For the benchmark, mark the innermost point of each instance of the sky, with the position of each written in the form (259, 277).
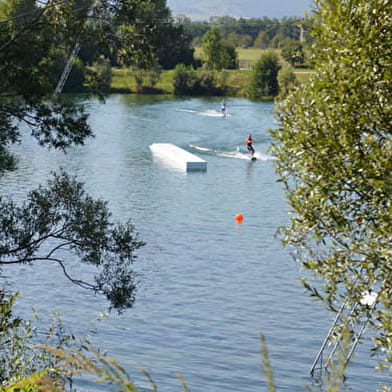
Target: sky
(204, 9)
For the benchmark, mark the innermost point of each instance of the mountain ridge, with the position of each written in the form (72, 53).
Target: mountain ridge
(204, 9)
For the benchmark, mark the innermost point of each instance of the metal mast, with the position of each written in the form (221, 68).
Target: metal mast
(66, 71)
(68, 66)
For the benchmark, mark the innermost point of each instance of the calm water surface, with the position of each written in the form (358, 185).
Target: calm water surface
(207, 285)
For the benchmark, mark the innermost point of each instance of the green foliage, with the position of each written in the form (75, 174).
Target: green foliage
(229, 56)
(32, 54)
(334, 150)
(154, 76)
(293, 53)
(38, 381)
(24, 46)
(212, 48)
(246, 31)
(138, 75)
(7, 321)
(145, 80)
(99, 77)
(186, 81)
(218, 53)
(261, 40)
(19, 357)
(37, 40)
(148, 37)
(57, 125)
(264, 81)
(174, 47)
(239, 40)
(62, 216)
(76, 79)
(138, 29)
(286, 80)
(227, 82)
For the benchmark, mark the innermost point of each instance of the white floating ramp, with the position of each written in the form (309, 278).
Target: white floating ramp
(179, 157)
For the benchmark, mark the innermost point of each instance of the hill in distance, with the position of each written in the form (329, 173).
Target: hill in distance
(204, 9)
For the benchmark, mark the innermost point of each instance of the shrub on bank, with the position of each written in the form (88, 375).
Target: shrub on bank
(187, 81)
(264, 81)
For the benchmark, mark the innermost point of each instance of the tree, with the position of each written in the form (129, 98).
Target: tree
(61, 215)
(293, 53)
(261, 40)
(264, 79)
(146, 21)
(239, 40)
(218, 53)
(212, 49)
(229, 56)
(334, 150)
(174, 47)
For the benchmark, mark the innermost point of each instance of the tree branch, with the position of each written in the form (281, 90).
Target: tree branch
(78, 282)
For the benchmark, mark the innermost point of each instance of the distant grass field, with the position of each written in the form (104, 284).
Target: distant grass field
(247, 56)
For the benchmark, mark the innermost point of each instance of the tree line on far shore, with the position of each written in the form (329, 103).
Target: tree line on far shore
(245, 33)
(146, 40)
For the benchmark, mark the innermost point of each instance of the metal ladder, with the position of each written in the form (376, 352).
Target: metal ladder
(350, 317)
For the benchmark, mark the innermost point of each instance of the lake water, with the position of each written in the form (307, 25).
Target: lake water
(207, 285)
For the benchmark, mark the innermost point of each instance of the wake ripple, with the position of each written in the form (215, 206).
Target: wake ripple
(237, 154)
(208, 113)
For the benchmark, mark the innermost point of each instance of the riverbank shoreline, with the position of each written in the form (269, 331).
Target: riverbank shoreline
(235, 82)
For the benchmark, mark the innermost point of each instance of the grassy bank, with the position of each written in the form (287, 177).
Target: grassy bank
(124, 82)
(247, 57)
(236, 80)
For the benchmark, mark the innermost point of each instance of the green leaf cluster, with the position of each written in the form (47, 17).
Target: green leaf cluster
(334, 149)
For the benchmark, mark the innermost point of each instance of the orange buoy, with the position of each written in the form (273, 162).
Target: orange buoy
(239, 218)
